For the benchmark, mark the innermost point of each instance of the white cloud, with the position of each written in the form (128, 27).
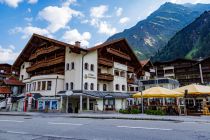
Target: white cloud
(119, 11)
(57, 17)
(124, 20)
(71, 36)
(98, 11)
(97, 15)
(11, 3)
(8, 54)
(32, 1)
(29, 30)
(106, 28)
(67, 3)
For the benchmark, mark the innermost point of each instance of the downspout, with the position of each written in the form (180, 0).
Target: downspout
(82, 70)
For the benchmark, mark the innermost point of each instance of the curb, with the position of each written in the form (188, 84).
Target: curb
(125, 118)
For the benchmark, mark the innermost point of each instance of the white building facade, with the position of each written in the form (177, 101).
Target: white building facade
(67, 78)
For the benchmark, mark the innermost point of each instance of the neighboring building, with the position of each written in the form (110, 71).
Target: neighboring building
(185, 71)
(161, 82)
(148, 71)
(5, 71)
(64, 77)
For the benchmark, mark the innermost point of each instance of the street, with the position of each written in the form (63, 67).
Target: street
(53, 128)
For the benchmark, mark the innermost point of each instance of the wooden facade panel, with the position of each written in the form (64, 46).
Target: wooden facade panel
(105, 62)
(118, 53)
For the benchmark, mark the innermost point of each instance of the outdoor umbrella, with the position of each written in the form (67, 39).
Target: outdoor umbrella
(194, 89)
(158, 92)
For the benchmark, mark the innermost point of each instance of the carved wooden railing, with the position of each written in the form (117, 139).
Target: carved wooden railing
(46, 63)
(130, 69)
(105, 76)
(130, 80)
(43, 51)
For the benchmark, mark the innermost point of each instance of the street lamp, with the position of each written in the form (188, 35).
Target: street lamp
(140, 90)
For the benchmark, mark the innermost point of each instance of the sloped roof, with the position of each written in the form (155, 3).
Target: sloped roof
(5, 90)
(13, 82)
(105, 44)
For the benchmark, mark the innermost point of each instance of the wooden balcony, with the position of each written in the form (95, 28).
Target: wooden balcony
(105, 62)
(105, 77)
(46, 63)
(43, 51)
(130, 69)
(130, 80)
(118, 53)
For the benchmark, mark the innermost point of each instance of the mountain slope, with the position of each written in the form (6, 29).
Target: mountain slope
(191, 42)
(152, 34)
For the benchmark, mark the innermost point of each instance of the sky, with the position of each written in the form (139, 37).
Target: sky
(89, 21)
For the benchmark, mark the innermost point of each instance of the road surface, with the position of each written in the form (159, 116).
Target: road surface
(62, 128)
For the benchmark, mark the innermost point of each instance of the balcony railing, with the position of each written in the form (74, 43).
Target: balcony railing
(105, 76)
(130, 69)
(105, 62)
(43, 51)
(46, 63)
(130, 80)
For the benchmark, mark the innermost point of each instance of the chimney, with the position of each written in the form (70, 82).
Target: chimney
(77, 43)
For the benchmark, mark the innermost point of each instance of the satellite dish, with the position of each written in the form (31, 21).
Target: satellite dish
(69, 93)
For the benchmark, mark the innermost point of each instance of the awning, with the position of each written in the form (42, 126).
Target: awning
(5, 90)
(158, 92)
(96, 94)
(194, 89)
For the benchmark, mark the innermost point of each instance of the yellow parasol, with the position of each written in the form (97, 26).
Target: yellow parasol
(194, 89)
(158, 92)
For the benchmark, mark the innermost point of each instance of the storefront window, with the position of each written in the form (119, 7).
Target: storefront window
(41, 107)
(54, 105)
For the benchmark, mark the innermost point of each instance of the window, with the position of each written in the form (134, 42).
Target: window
(21, 77)
(86, 66)
(67, 66)
(23, 66)
(49, 85)
(39, 86)
(72, 65)
(123, 87)
(86, 86)
(122, 74)
(116, 73)
(91, 86)
(72, 85)
(92, 67)
(43, 85)
(137, 88)
(117, 87)
(104, 87)
(67, 86)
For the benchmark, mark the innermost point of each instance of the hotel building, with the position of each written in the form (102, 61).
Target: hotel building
(68, 78)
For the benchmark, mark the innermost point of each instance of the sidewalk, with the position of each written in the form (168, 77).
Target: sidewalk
(204, 119)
